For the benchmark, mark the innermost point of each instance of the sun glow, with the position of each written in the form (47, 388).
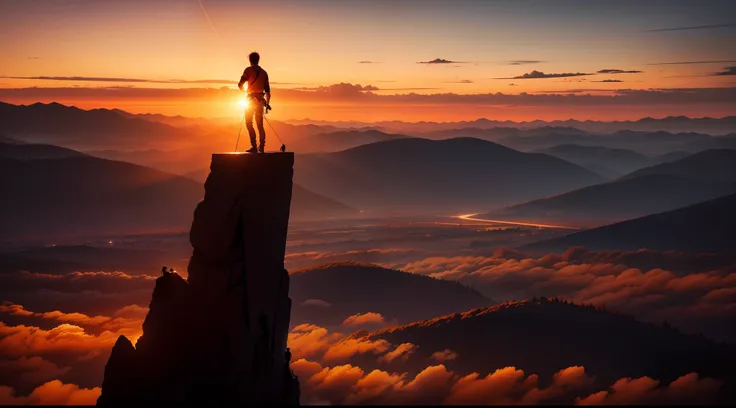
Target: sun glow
(243, 102)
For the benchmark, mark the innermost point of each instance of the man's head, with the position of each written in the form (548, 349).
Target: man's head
(254, 58)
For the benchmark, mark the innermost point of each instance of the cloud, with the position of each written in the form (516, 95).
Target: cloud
(340, 89)
(461, 81)
(609, 80)
(298, 260)
(524, 62)
(15, 310)
(34, 58)
(75, 281)
(539, 75)
(368, 62)
(52, 393)
(435, 384)
(312, 341)
(693, 62)
(349, 347)
(78, 337)
(25, 373)
(374, 386)
(512, 84)
(363, 319)
(685, 28)
(316, 302)
(440, 61)
(129, 319)
(510, 385)
(408, 89)
(444, 355)
(308, 340)
(340, 93)
(697, 301)
(727, 71)
(19, 341)
(123, 80)
(618, 71)
(402, 353)
(688, 389)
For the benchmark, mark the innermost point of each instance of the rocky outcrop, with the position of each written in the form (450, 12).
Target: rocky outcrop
(220, 336)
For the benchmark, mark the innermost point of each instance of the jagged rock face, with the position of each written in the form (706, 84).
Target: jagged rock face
(220, 337)
(120, 375)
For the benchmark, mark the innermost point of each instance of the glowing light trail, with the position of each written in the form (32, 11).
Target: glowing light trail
(471, 217)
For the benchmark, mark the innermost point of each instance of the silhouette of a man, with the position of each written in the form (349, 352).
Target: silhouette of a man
(259, 95)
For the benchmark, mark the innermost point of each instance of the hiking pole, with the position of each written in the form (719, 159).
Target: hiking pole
(241, 129)
(283, 146)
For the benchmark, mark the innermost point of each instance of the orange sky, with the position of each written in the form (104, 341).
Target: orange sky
(92, 48)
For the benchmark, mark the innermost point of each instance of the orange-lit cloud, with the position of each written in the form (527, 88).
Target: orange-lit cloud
(374, 255)
(688, 389)
(349, 347)
(655, 294)
(52, 393)
(444, 355)
(78, 335)
(369, 318)
(345, 101)
(401, 353)
(539, 75)
(350, 384)
(19, 341)
(127, 320)
(29, 372)
(308, 340)
(77, 281)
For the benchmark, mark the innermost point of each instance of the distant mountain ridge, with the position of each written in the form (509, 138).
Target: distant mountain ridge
(49, 191)
(714, 126)
(697, 178)
(717, 165)
(704, 227)
(327, 294)
(76, 128)
(608, 162)
(453, 173)
(545, 335)
(24, 151)
(340, 140)
(650, 143)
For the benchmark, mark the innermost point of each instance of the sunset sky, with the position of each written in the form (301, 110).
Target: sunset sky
(451, 58)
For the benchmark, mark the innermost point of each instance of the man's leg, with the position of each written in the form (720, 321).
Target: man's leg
(261, 130)
(249, 123)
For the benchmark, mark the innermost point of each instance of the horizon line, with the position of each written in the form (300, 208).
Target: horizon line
(381, 121)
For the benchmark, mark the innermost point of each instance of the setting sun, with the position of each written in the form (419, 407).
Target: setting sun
(243, 102)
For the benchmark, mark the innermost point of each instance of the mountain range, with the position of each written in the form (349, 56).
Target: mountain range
(327, 294)
(714, 126)
(63, 193)
(542, 336)
(422, 174)
(339, 140)
(80, 129)
(704, 227)
(667, 186)
(649, 143)
(608, 162)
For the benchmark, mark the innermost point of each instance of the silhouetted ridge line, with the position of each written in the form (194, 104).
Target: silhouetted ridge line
(708, 226)
(544, 335)
(436, 175)
(327, 294)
